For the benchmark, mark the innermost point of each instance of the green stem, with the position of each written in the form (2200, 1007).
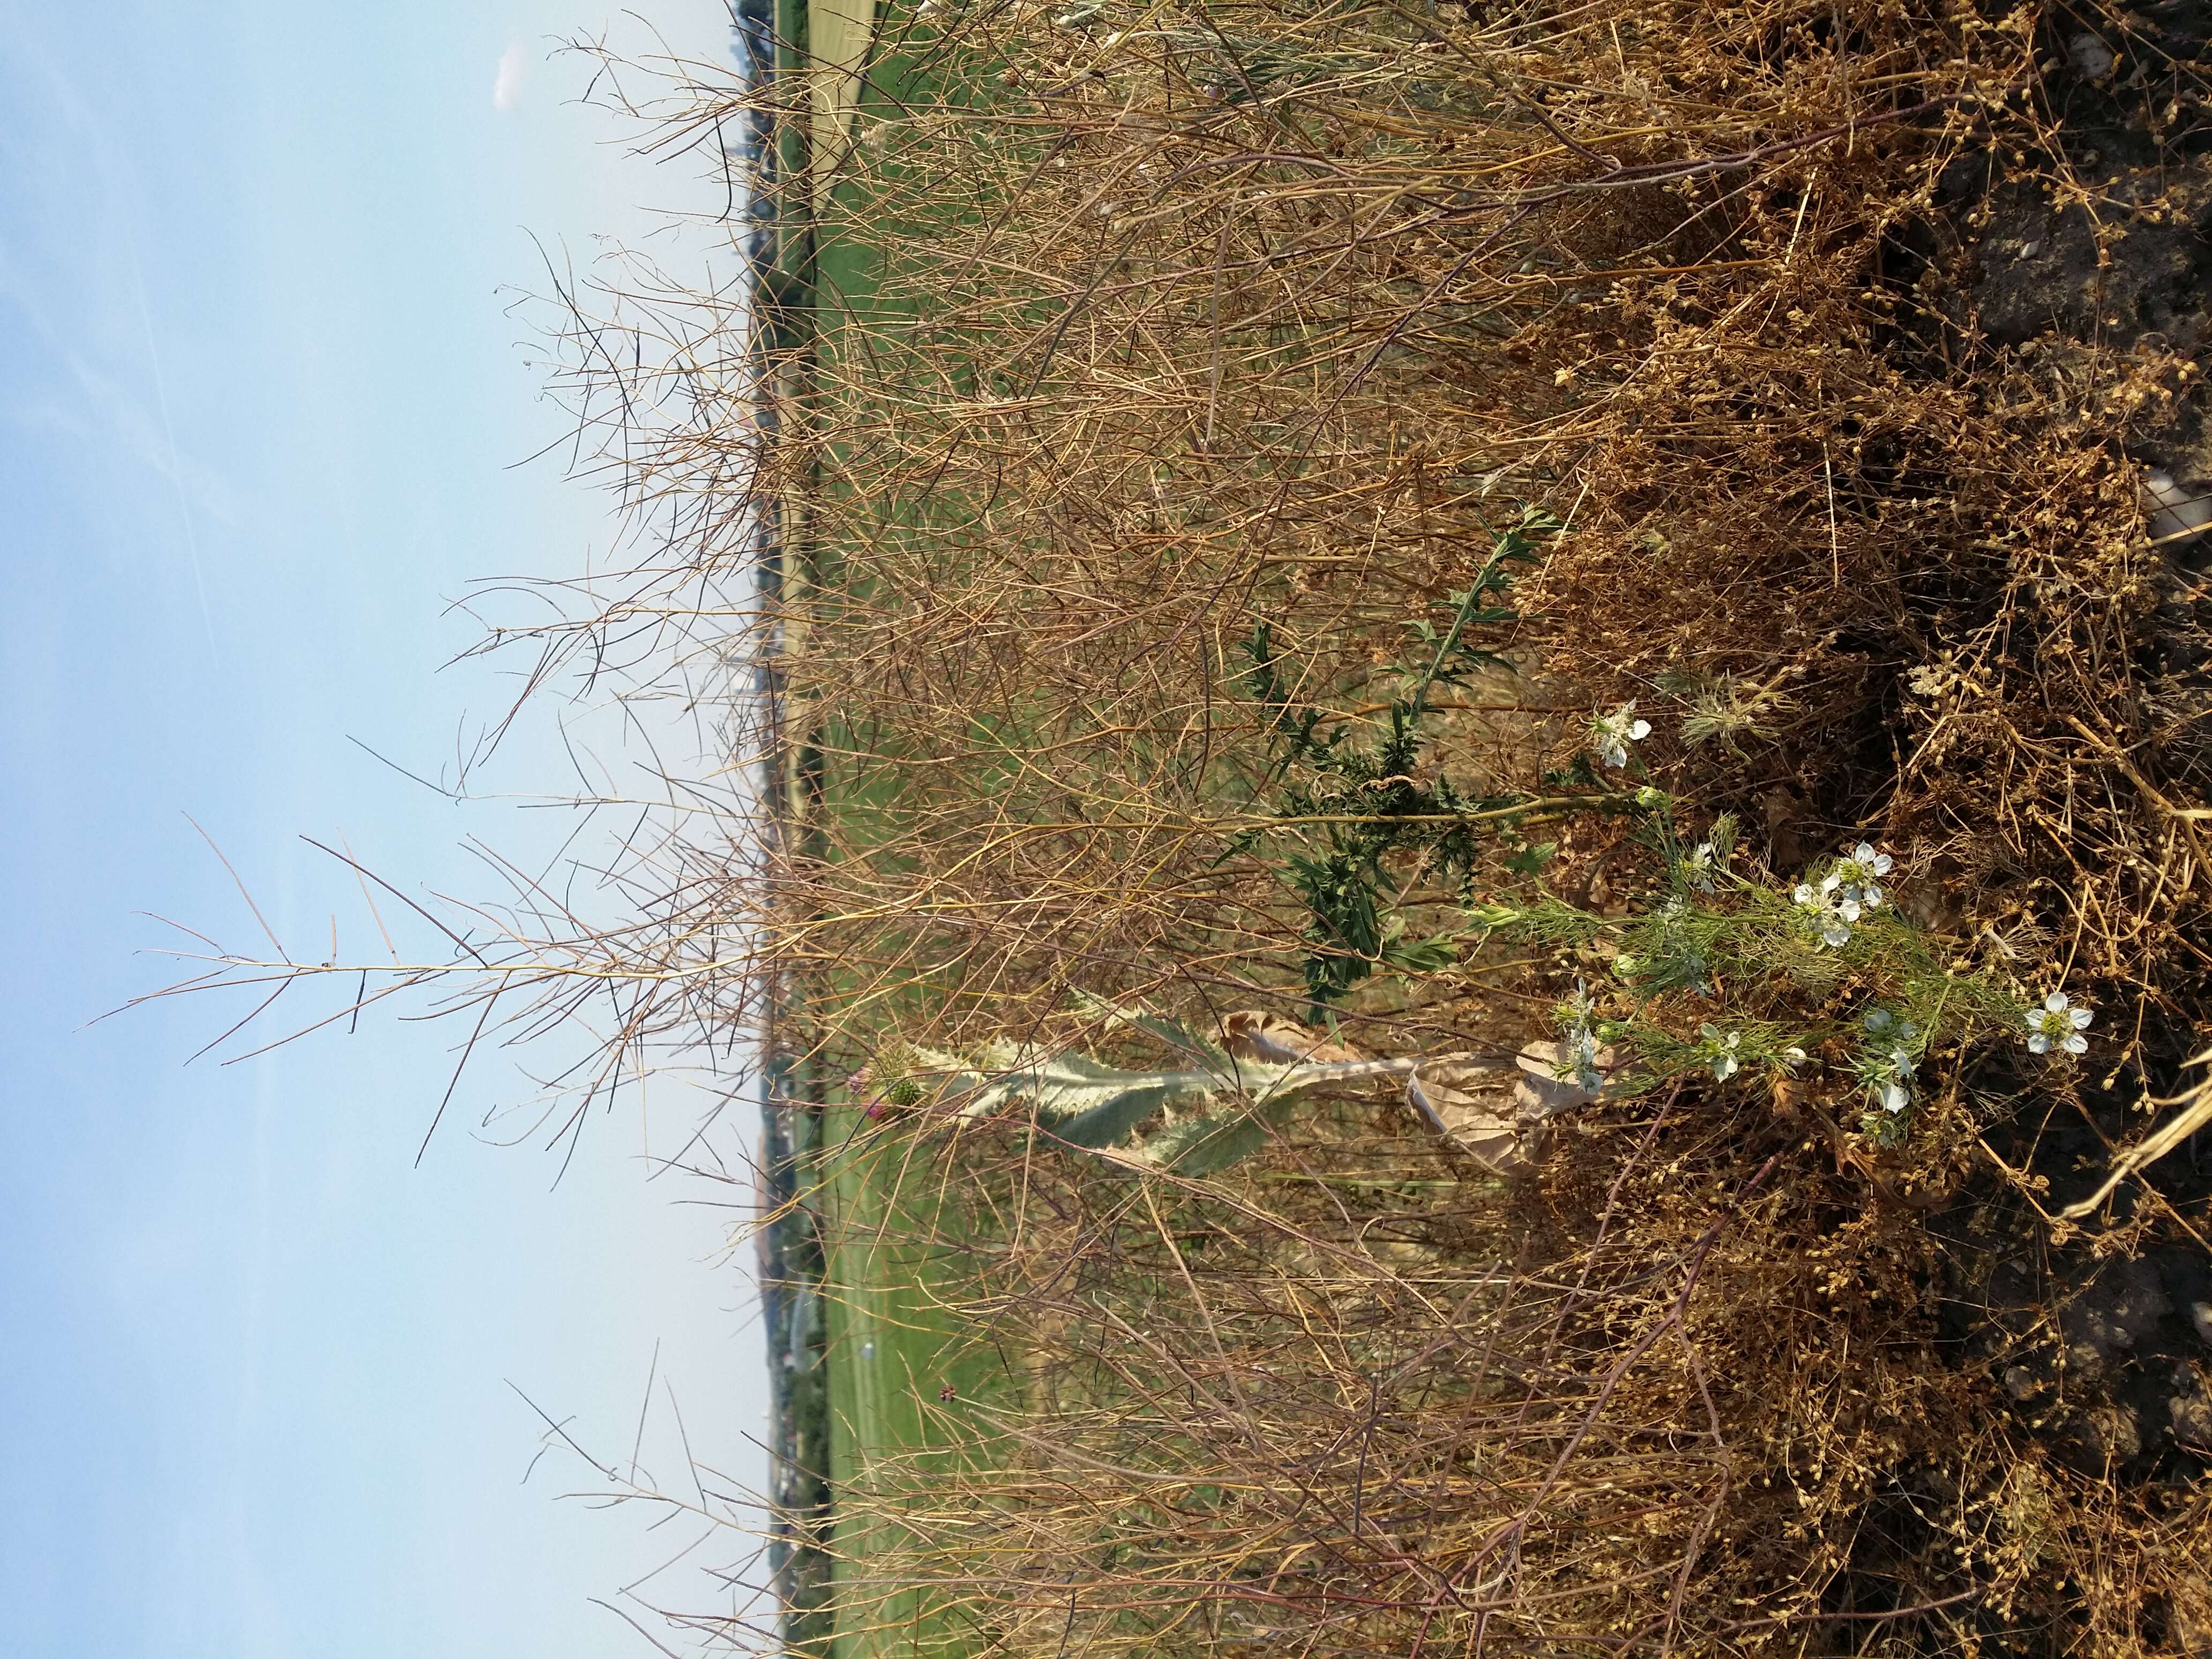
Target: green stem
(1475, 594)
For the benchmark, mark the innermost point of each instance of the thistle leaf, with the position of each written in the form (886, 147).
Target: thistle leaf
(1168, 1031)
(1200, 1145)
(1109, 1121)
(1085, 1103)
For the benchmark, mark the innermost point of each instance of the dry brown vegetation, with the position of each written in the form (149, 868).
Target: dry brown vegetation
(1193, 318)
(1842, 334)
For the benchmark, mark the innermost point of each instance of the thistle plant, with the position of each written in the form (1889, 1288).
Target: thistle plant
(1210, 1109)
(1371, 797)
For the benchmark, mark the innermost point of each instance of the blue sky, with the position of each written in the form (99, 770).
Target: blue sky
(260, 398)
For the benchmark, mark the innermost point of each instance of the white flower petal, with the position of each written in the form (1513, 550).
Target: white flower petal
(2080, 1016)
(2055, 1001)
(2077, 1044)
(2038, 1044)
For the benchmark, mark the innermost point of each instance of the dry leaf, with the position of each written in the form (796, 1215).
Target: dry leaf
(1541, 1093)
(1251, 1034)
(1499, 1115)
(1474, 1106)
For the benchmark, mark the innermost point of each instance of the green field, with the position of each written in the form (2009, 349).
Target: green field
(903, 1382)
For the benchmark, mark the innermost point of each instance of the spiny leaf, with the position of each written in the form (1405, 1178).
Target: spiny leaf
(1086, 1104)
(1110, 1121)
(1168, 1031)
(1200, 1145)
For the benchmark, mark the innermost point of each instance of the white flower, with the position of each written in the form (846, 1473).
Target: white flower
(1793, 1057)
(1721, 1049)
(1855, 879)
(2055, 1022)
(1844, 903)
(1889, 1077)
(1881, 1023)
(1579, 1058)
(1611, 734)
(1699, 866)
(1824, 915)
(1887, 1064)
(1582, 1054)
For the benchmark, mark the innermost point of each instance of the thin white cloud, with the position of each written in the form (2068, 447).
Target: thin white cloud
(507, 85)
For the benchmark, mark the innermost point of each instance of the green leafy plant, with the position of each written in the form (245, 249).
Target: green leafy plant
(1365, 804)
(1723, 972)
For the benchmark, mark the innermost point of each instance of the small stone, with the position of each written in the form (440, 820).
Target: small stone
(2091, 56)
(2175, 511)
(2190, 1413)
(2110, 1434)
(2113, 1313)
